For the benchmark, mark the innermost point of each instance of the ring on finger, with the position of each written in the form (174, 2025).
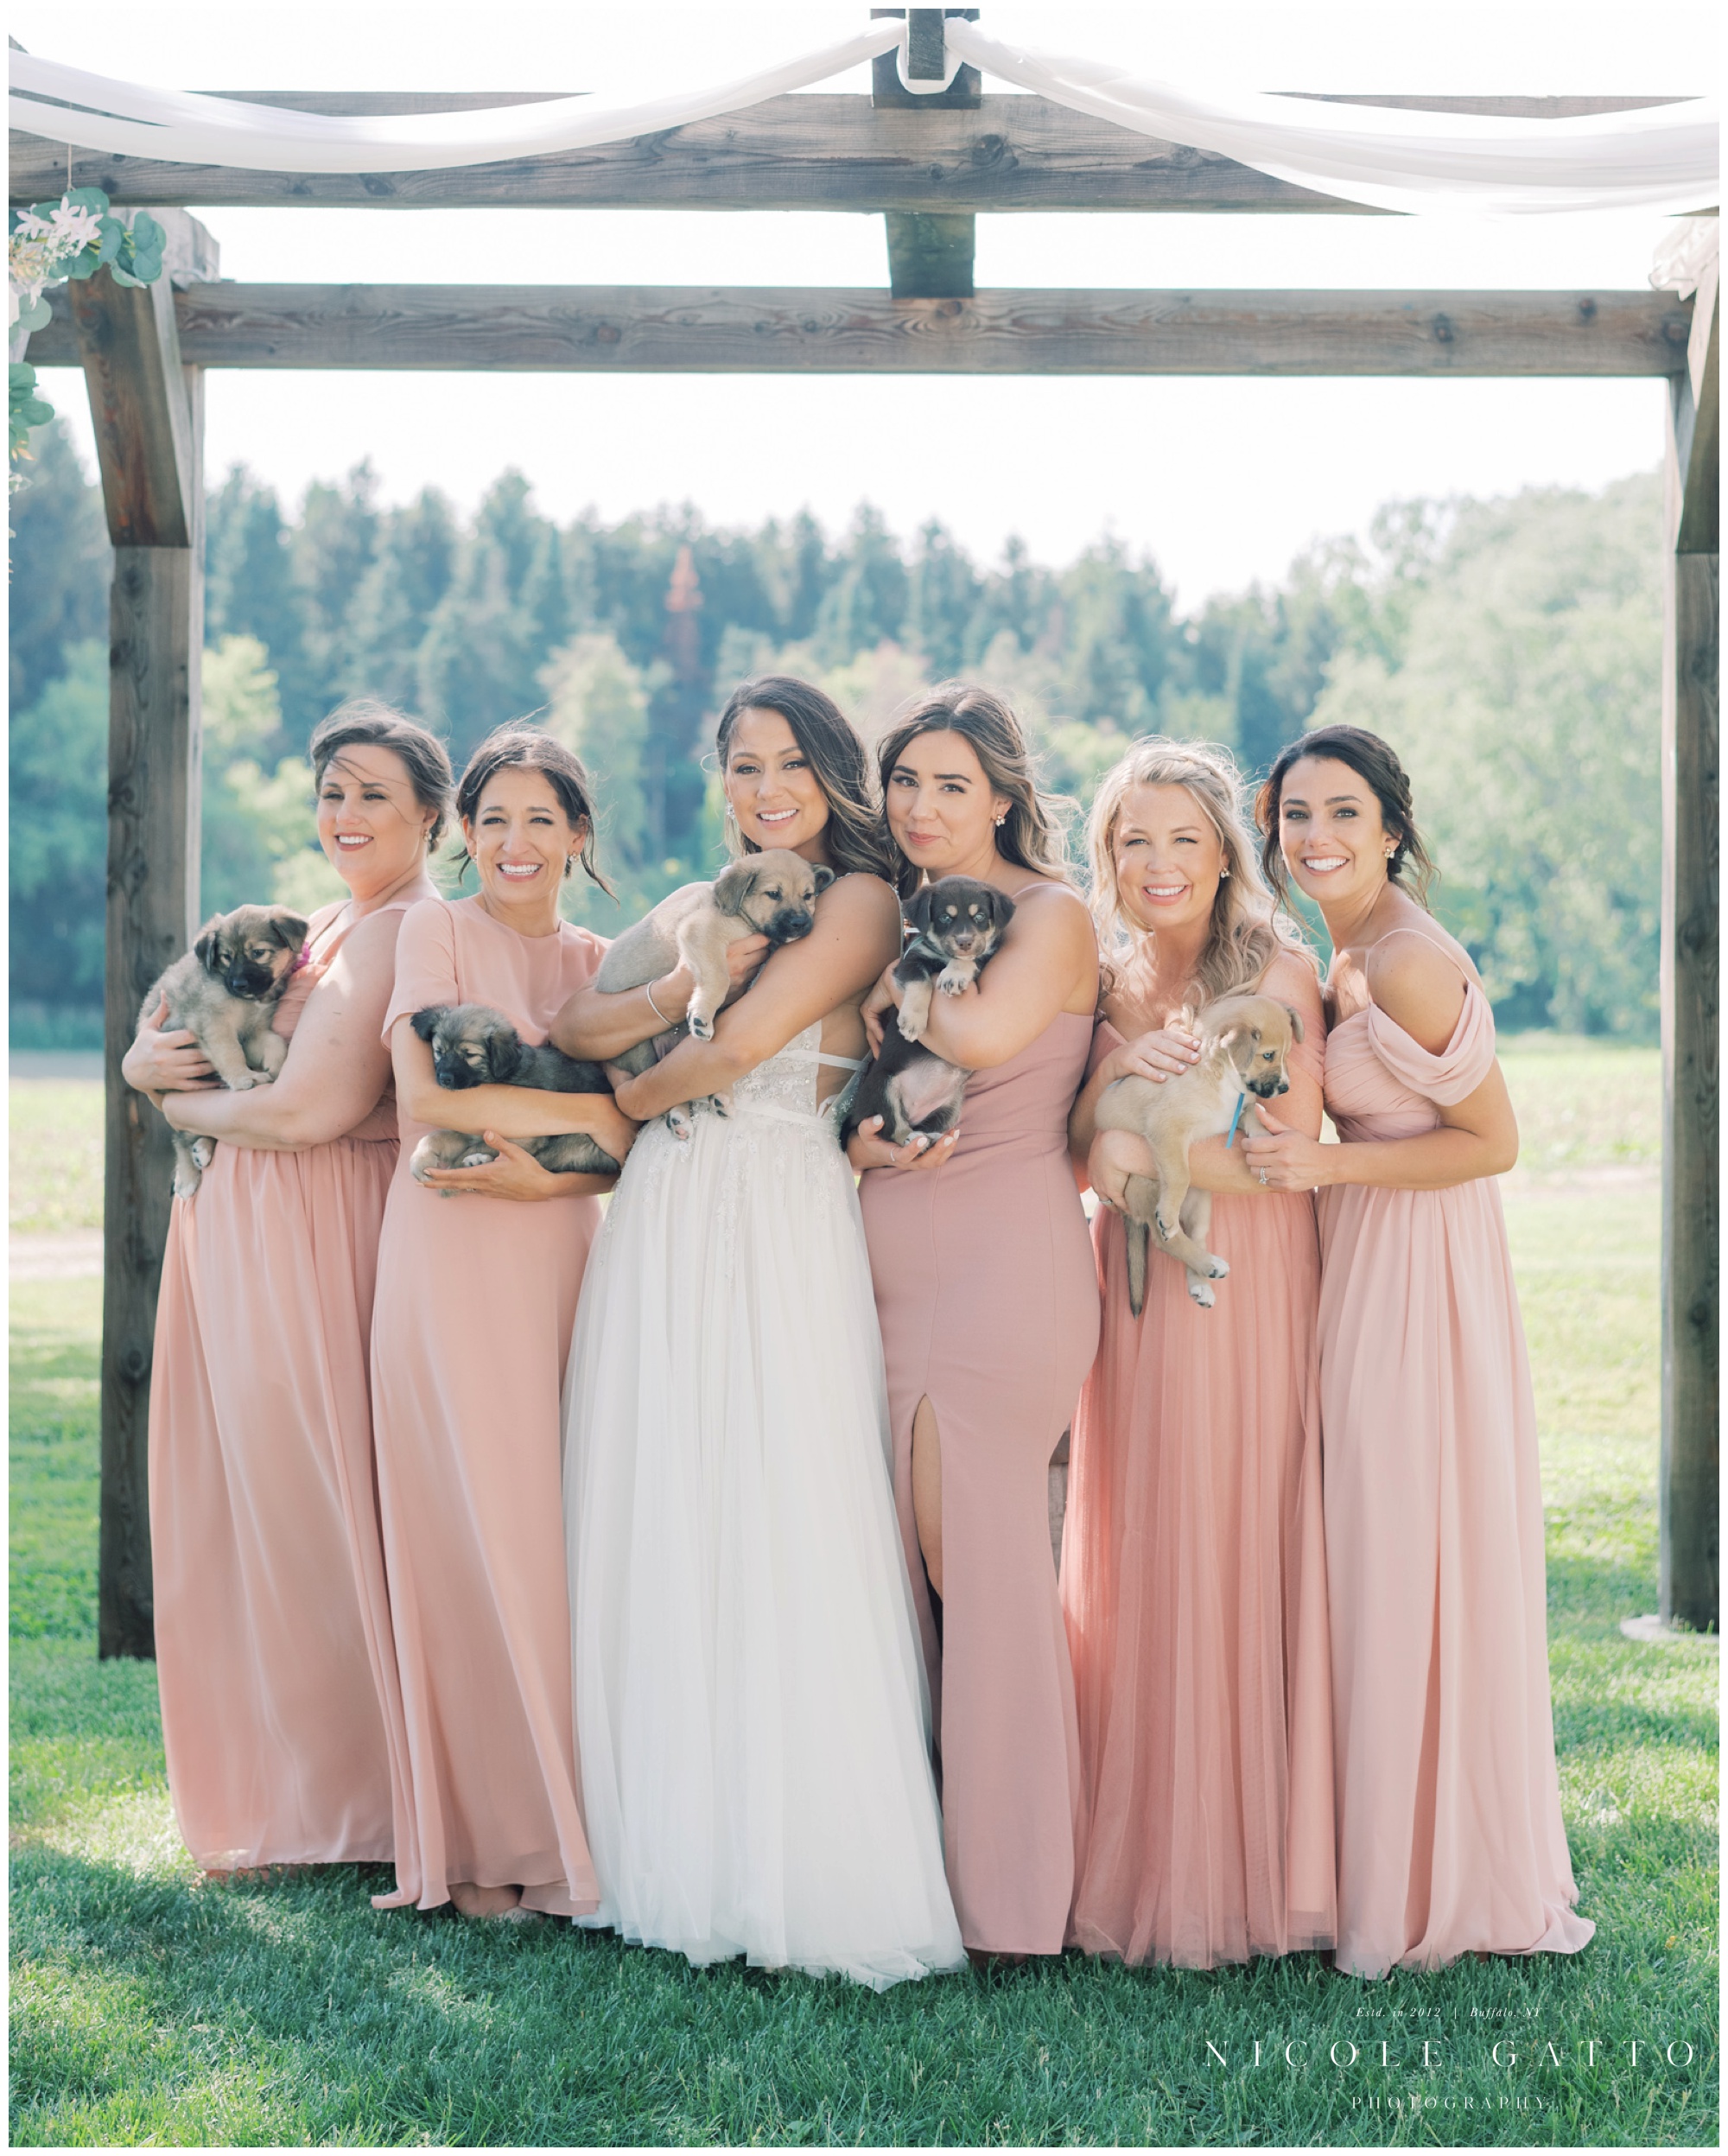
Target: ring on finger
(1262, 1177)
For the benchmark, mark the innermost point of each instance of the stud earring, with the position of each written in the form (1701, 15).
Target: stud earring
(731, 813)
(1001, 819)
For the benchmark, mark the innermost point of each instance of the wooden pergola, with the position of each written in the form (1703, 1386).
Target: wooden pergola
(930, 164)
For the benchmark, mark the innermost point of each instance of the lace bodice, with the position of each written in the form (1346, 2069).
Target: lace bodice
(786, 1083)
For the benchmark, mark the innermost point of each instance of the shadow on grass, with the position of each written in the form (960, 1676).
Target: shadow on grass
(159, 2006)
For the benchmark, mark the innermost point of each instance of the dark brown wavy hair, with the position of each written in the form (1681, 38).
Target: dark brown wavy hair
(514, 747)
(366, 722)
(856, 838)
(1411, 866)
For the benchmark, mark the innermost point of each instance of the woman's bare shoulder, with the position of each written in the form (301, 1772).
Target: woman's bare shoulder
(859, 898)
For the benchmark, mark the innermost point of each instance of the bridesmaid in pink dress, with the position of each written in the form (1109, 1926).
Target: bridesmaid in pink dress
(1450, 1836)
(988, 1307)
(273, 1650)
(1194, 1572)
(476, 1301)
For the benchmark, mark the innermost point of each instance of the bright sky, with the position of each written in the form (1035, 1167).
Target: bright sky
(1221, 481)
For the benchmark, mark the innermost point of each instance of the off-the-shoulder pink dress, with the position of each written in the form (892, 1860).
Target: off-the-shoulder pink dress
(272, 1627)
(1194, 1581)
(1449, 1836)
(476, 1301)
(988, 1305)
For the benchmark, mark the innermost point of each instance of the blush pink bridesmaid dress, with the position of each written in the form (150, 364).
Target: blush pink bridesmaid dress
(273, 1652)
(988, 1305)
(1194, 1581)
(476, 1303)
(1449, 1836)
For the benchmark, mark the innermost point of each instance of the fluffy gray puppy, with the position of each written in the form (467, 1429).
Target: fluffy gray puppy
(224, 992)
(474, 1045)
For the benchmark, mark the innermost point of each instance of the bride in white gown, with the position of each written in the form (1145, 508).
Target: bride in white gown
(752, 1716)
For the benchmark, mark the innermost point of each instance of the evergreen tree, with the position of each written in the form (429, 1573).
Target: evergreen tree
(58, 771)
(1121, 637)
(393, 607)
(944, 597)
(865, 604)
(61, 566)
(250, 590)
(812, 571)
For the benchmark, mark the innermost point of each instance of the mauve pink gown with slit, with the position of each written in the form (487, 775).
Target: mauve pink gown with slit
(1450, 1836)
(988, 1305)
(1194, 1579)
(476, 1303)
(273, 1651)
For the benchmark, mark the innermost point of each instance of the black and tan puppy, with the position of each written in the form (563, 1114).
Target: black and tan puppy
(957, 926)
(1245, 1042)
(772, 893)
(224, 991)
(473, 1045)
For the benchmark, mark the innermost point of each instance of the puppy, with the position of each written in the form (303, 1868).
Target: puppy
(473, 1045)
(958, 926)
(772, 893)
(1245, 1040)
(224, 991)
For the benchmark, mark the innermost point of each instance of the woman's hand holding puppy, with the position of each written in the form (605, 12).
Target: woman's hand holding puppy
(883, 998)
(159, 1062)
(867, 1149)
(1167, 1051)
(517, 1175)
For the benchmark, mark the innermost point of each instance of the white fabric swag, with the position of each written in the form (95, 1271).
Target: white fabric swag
(1663, 158)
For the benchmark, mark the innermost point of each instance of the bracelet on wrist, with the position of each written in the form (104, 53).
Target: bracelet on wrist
(648, 990)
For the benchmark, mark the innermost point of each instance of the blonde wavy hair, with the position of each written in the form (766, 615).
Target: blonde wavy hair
(1247, 931)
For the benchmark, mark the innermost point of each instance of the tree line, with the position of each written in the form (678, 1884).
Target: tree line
(1511, 650)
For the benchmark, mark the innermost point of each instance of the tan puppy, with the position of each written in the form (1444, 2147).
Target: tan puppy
(772, 893)
(1244, 1042)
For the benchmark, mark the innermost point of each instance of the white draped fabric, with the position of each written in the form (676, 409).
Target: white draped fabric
(1663, 158)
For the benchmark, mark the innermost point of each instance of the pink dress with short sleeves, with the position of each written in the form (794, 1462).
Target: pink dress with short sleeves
(1450, 1836)
(272, 1621)
(476, 1303)
(1194, 1581)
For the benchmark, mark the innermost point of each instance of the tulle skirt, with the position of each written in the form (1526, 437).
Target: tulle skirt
(751, 1717)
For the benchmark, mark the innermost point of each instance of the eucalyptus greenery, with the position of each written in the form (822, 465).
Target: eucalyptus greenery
(55, 243)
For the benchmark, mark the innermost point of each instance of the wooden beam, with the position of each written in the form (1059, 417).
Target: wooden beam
(148, 410)
(1691, 990)
(748, 330)
(931, 257)
(806, 152)
(926, 61)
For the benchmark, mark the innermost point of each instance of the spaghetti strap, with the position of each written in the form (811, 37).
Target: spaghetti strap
(841, 1063)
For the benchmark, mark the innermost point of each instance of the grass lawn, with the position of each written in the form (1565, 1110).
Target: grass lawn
(149, 2004)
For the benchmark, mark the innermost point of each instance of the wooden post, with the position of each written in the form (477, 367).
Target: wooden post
(1690, 988)
(148, 410)
(931, 253)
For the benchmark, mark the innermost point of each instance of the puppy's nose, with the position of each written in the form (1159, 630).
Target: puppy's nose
(1284, 1086)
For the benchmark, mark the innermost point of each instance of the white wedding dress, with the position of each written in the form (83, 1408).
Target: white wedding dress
(752, 1716)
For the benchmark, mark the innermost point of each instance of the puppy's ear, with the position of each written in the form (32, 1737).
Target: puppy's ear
(425, 1023)
(206, 950)
(504, 1053)
(290, 929)
(917, 910)
(1001, 909)
(824, 876)
(1295, 1018)
(732, 886)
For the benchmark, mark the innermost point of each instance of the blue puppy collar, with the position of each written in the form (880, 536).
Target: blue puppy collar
(1242, 1102)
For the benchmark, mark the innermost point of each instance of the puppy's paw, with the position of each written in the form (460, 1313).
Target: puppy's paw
(681, 1123)
(479, 1156)
(186, 1181)
(702, 1025)
(1166, 1224)
(1220, 1269)
(722, 1105)
(203, 1151)
(244, 1081)
(1201, 1290)
(912, 1022)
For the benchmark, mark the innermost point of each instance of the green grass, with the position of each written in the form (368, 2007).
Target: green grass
(150, 2005)
(56, 1155)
